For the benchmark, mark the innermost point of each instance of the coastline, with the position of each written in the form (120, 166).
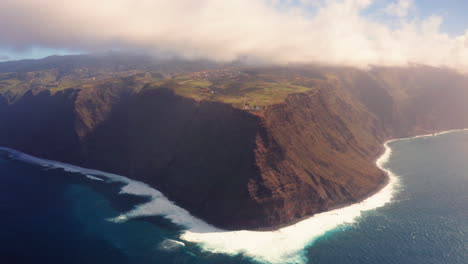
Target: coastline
(283, 245)
(267, 245)
(380, 161)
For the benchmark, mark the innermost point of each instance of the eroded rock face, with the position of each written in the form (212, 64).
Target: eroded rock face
(200, 154)
(3, 101)
(235, 169)
(314, 157)
(42, 124)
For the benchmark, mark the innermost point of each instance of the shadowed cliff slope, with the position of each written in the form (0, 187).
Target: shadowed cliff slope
(302, 154)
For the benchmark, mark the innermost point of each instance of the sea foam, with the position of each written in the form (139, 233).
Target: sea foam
(285, 245)
(91, 177)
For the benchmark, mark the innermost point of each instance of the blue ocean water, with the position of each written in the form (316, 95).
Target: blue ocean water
(53, 216)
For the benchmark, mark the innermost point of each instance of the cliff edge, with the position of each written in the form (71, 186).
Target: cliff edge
(307, 153)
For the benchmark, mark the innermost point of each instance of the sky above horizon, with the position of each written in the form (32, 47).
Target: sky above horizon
(349, 32)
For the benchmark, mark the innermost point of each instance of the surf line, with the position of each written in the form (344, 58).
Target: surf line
(280, 246)
(285, 245)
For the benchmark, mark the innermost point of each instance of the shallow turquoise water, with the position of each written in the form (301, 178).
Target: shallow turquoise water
(52, 216)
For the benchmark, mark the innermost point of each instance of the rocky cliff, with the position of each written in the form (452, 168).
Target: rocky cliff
(314, 151)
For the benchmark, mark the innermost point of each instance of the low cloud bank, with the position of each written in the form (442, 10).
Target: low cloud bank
(278, 31)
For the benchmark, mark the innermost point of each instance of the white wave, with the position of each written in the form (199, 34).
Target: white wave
(60, 165)
(93, 178)
(432, 135)
(281, 246)
(160, 205)
(170, 245)
(285, 245)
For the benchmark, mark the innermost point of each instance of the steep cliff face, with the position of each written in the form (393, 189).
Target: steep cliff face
(316, 154)
(3, 101)
(411, 101)
(233, 168)
(42, 124)
(200, 154)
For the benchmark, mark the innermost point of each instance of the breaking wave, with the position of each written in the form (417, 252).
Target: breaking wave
(170, 245)
(285, 245)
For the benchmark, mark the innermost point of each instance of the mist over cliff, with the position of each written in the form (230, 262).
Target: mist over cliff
(334, 32)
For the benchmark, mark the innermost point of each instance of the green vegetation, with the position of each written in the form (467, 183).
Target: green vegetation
(241, 88)
(259, 93)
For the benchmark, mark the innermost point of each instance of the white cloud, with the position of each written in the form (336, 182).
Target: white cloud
(399, 8)
(224, 30)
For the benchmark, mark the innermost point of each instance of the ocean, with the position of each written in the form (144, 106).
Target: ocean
(57, 213)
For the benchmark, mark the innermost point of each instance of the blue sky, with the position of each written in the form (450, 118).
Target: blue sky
(453, 11)
(32, 53)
